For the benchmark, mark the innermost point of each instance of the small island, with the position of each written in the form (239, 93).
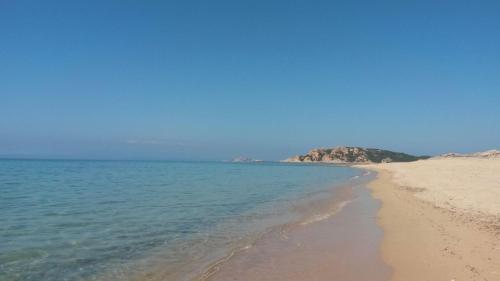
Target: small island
(242, 159)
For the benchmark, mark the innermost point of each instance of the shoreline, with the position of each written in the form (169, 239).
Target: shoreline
(430, 240)
(308, 210)
(332, 242)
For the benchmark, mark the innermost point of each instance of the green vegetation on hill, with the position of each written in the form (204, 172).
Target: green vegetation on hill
(346, 154)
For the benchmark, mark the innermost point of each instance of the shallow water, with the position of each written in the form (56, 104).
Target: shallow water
(130, 220)
(340, 242)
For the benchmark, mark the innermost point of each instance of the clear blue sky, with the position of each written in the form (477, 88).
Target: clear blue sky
(265, 79)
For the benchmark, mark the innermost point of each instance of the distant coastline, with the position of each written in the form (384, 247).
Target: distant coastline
(352, 155)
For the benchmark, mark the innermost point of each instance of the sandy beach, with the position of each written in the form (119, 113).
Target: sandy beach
(441, 218)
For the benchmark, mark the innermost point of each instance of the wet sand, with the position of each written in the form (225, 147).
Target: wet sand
(432, 229)
(341, 243)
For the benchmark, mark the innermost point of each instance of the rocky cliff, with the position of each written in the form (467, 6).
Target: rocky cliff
(346, 154)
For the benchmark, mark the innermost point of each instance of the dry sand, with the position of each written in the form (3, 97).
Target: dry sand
(440, 218)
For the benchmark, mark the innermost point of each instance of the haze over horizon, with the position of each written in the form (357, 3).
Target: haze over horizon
(211, 80)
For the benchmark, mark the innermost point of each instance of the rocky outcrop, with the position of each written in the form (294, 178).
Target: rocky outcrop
(346, 154)
(485, 154)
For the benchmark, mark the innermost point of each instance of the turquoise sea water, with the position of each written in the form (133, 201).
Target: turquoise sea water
(127, 220)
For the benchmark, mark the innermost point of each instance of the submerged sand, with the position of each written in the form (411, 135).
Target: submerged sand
(341, 242)
(441, 218)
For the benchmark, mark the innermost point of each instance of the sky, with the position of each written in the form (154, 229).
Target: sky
(212, 80)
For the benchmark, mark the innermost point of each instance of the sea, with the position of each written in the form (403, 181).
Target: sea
(85, 220)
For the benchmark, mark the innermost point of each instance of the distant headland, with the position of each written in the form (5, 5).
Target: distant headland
(357, 155)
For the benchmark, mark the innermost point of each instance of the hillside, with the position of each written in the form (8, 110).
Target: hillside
(346, 154)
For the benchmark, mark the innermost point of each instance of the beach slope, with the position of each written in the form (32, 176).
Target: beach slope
(441, 218)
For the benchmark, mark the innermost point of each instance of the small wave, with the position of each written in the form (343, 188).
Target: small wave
(283, 233)
(321, 217)
(214, 268)
(246, 247)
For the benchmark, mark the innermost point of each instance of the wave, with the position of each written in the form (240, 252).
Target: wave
(320, 217)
